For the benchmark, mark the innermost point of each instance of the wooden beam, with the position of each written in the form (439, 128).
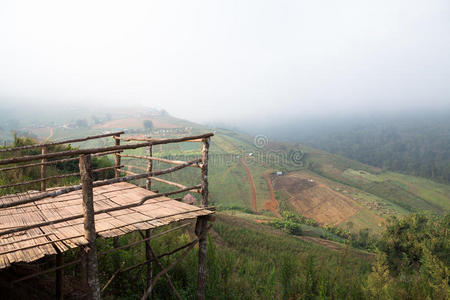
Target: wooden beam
(159, 256)
(168, 161)
(96, 184)
(50, 270)
(62, 142)
(89, 227)
(43, 170)
(54, 177)
(95, 150)
(148, 258)
(117, 157)
(59, 276)
(200, 229)
(195, 138)
(201, 226)
(148, 181)
(116, 175)
(53, 162)
(205, 153)
(167, 269)
(172, 286)
(112, 277)
(38, 180)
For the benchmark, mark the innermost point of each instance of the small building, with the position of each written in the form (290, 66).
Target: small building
(279, 173)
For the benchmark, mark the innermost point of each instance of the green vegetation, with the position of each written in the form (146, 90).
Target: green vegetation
(416, 144)
(247, 260)
(32, 173)
(383, 251)
(148, 125)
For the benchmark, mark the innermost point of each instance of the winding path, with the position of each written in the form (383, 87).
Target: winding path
(272, 204)
(252, 184)
(50, 134)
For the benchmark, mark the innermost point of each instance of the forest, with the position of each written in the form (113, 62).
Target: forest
(413, 143)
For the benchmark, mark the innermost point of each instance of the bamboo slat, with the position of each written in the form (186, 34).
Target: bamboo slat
(34, 243)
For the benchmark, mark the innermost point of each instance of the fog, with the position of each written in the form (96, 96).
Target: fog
(229, 62)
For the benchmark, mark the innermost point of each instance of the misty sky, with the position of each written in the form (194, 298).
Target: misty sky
(228, 60)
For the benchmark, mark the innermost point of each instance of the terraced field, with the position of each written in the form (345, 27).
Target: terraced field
(325, 187)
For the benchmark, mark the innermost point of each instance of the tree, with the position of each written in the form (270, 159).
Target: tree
(148, 124)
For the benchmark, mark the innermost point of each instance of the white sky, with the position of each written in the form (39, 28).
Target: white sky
(228, 60)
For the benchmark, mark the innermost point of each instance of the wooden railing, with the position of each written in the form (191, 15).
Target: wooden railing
(87, 184)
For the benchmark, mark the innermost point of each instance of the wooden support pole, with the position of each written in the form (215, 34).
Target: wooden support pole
(89, 227)
(148, 181)
(117, 158)
(59, 276)
(188, 248)
(83, 268)
(172, 286)
(148, 257)
(200, 228)
(43, 170)
(202, 225)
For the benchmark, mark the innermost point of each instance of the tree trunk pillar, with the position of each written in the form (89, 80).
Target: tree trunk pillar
(202, 223)
(43, 170)
(117, 158)
(59, 276)
(89, 227)
(148, 182)
(148, 257)
(116, 175)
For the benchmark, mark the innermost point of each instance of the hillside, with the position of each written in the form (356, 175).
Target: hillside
(415, 143)
(292, 222)
(325, 187)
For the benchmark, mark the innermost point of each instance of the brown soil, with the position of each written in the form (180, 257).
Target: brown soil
(315, 200)
(326, 243)
(252, 184)
(50, 134)
(272, 204)
(134, 123)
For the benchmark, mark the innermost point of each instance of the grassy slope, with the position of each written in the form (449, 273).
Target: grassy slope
(229, 186)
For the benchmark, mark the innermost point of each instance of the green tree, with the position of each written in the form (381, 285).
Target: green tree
(148, 125)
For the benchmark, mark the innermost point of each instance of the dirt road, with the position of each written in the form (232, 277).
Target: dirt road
(252, 184)
(326, 243)
(272, 204)
(50, 134)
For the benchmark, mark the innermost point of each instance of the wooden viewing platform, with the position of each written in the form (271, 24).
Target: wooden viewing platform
(34, 224)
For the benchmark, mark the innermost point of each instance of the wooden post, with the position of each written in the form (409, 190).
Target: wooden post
(59, 276)
(204, 168)
(89, 227)
(83, 268)
(116, 175)
(117, 158)
(148, 257)
(43, 170)
(202, 224)
(148, 182)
